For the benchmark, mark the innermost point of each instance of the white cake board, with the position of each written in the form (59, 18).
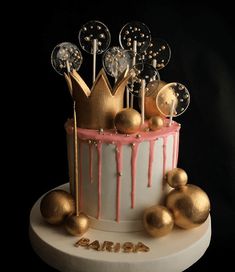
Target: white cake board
(174, 252)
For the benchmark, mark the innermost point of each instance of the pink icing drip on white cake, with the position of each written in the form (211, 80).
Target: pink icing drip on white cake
(151, 157)
(133, 172)
(94, 138)
(119, 174)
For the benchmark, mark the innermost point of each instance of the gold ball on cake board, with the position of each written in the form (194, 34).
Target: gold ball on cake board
(77, 225)
(176, 177)
(156, 122)
(127, 121)
(158, 221)
(190, 206)
(56, 205)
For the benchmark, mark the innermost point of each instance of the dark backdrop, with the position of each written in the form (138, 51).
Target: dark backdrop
(202, 42)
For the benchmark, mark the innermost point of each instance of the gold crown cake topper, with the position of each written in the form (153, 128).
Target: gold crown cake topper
(134, 67)
(97, 107)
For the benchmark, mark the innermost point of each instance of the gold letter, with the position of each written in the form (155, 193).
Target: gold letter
(117, 247)
(128, 247)
(95, 245)
(82, 242)
(140, 247)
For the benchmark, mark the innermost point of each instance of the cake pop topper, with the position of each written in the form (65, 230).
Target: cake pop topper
(143, 71)
(172, 100)
(158, 53)
(66, 57)
(136, 37)
(135, 32)
(116, 60)
(94, 37)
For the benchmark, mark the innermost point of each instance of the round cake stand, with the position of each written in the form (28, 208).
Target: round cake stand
(174, 252)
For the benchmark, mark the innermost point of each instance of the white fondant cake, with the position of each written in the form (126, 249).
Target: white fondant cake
(121, 175)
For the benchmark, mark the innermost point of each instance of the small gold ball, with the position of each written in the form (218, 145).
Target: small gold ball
(158, 221)
(127, 121)
(155, 122)
(56, 205)
(176, 177)
(190, 206)
(77, 225)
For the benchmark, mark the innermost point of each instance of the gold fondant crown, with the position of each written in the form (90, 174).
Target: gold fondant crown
(96, 108)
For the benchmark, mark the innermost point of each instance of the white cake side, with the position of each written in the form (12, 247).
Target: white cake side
(119, 178)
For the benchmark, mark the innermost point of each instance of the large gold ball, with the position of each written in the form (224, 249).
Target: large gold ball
(150, 107)
(56, 205)
(158, 221)
(176, 177)
(190, 206)
(127, 121)
(156, 122)
(77, 225)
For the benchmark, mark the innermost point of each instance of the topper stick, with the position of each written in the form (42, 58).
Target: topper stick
(132, 100)
(172, 111)
(154, 63)
(67, 66)
(135, 52)
(94, 58)
(75, 138)
(127, 97)
(134, 49)
(116, 71)
(142, 100)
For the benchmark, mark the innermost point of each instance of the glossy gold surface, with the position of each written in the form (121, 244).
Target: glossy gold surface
(176, 177)
(56, 205)
(190, 206)
(128, 121)
(155, 122)
(150, 107)
(77, 225)
(158, 221)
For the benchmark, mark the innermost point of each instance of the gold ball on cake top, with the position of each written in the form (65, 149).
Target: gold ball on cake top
(150, 107)
(176, 177)
(156, 122)
(56, 205)
(158, 221)
(127, 121)
(190, 206)
(77, 225)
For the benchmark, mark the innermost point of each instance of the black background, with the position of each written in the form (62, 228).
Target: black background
(201, 37)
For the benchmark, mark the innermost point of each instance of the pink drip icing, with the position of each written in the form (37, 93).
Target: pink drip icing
(109, 136)
(133, 172)
(99, 150)
(119, 171)
(174, 151)
(164, 155)
(80, 177)
(91, 162)
(151, 157)
(177, 147)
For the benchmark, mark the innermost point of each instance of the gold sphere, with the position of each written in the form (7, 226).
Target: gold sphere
(56, 205)
(77, 225)
(127, 121)
(190, 206)
(158, 221)
(176, 177)
(150, 107)
(156, 122)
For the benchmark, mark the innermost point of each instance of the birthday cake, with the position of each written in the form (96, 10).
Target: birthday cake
(123, 174)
